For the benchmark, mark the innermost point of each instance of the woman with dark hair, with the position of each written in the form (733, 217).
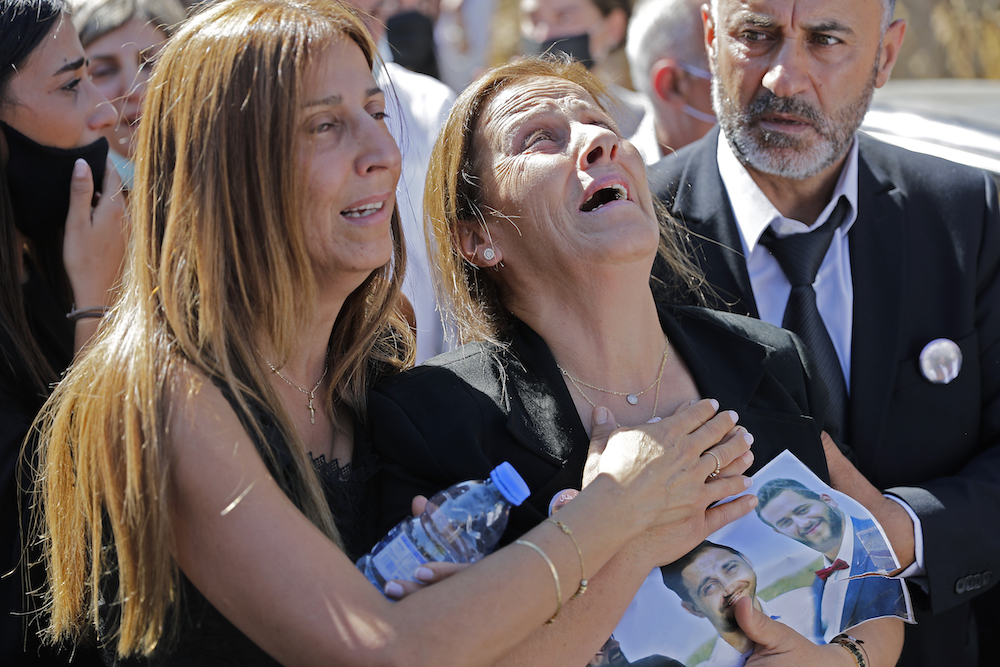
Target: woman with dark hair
(59, 256)
(202, 481)
(544, 233)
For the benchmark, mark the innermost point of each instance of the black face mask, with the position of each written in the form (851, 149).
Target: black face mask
(39, 177)
(577, 47)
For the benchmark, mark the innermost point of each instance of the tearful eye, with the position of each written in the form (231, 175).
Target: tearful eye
(604, 196)
(536, 136)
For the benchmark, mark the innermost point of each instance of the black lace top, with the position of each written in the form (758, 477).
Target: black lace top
(348, 493)
(204, 636)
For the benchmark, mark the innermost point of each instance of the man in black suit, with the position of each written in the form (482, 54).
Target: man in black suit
(913, 256)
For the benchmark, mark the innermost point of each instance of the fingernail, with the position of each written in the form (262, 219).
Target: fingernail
(715, 403)
(735, 417)
(753, 501)
(601, 415)
(747, 483)
(748, 436)
(654, 420)
(79, 168)
(393, 590)
(424, 574)
(748, 458)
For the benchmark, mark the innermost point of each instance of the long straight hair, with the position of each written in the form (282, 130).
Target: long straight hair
(23, 26)
(218, 251)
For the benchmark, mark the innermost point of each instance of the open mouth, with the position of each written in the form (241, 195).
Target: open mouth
(604, 196)
(362, 211)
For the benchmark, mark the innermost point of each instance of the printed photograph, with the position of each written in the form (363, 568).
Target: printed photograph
(809, 557)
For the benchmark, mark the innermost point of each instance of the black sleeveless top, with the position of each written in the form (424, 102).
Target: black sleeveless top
(204, 636)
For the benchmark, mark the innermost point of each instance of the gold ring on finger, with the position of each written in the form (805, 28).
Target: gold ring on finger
(718, 464)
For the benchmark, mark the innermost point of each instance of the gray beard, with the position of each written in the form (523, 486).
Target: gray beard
(787, 155)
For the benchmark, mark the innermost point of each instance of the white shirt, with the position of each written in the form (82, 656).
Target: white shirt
(645, 140)
(754, 213)
(627, 108)
(835, 589)
(417, 106)
(834, 287)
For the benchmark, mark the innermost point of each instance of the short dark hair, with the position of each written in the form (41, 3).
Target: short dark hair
(673, 574)
(777, 486)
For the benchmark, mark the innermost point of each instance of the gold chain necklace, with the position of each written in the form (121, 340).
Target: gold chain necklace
(656, 400)
(631, 397)
(310, 394)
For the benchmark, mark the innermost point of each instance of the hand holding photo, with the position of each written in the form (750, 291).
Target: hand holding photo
(810, 557)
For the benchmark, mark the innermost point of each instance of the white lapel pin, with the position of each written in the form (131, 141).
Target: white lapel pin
(941, 361)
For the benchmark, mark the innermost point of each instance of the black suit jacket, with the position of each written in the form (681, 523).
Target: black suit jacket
(925, 261)
(462, 413)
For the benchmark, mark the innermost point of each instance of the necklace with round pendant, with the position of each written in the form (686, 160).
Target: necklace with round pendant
(631, 397)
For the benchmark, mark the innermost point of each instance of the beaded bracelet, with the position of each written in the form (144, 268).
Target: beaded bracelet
(583, 572)
(81, 313)
(555, 576)
(853, 645)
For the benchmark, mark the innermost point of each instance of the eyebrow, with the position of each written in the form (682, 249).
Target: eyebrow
(71, 67)
(756, 20)
(335, 99)
(830, 25)
(763, 21)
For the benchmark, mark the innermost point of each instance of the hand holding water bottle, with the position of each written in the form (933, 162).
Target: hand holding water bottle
(461, 524)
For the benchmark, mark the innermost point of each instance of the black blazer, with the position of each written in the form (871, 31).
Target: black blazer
(925, 261)
(462, 413)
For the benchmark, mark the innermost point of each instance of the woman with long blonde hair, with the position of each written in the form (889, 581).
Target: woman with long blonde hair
(187, 506)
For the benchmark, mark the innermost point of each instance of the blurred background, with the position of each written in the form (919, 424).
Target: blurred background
(944, 38)
(949, 39)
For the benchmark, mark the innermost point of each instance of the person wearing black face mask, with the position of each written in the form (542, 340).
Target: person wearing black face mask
(592, 32)
(61, 249)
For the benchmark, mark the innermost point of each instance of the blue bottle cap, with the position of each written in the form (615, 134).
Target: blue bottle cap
(511, 484)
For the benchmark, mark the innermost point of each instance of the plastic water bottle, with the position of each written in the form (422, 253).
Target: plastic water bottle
(461, 524)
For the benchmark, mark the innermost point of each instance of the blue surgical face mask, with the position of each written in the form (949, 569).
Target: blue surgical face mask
(687, 108)
(576, 46)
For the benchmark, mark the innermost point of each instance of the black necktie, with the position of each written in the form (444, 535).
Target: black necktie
(800, 256)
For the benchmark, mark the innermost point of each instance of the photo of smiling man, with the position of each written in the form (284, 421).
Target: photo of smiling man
(710, 579)
(813, 559)
(815, 520)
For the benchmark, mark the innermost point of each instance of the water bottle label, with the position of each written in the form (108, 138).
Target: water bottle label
(398, 559)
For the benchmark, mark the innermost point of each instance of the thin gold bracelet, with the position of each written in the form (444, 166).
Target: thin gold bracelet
(555, 576)
(854, 646)
(583, 572)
